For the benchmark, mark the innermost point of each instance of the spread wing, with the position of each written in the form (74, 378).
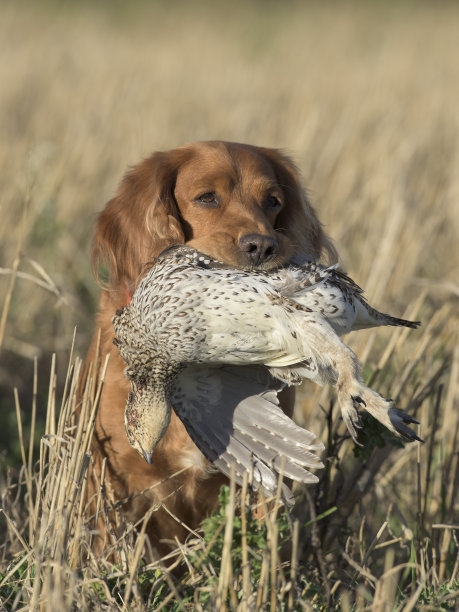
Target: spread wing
(233, 416)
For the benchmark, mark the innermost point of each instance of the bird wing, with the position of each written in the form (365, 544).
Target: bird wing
(233, 416)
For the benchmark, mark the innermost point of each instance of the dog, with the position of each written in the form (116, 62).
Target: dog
(239, 203)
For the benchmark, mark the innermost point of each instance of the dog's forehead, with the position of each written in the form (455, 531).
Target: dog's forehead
(214, 163)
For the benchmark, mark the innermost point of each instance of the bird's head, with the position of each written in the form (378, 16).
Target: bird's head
(146, 417)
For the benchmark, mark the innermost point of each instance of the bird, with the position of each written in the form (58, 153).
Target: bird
(194, 317)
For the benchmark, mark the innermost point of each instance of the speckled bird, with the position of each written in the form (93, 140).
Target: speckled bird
(192, 311)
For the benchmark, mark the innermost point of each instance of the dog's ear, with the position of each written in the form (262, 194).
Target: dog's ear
(140, 221)
(298, 219)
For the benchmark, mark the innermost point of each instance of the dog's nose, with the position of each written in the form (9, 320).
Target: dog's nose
(258, 248)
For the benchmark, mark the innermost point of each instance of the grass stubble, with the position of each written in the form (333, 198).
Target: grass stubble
(378, 533)
(378, 140)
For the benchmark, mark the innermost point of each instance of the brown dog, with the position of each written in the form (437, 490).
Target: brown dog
(241, 204)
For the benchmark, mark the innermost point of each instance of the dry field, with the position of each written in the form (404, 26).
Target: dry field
(365, 98)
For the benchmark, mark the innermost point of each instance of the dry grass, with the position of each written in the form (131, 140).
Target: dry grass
(364, 97)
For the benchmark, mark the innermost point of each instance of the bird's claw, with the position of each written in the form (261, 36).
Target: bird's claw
(399, 419)
(358, 400)
(356, 419)
(351, 417)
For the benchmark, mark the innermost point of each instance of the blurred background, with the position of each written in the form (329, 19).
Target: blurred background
(364, 96)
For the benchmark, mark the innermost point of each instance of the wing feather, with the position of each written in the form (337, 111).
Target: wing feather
(233, 416)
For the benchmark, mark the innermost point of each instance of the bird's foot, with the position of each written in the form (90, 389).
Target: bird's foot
(399, 419)
(356, 395)
(383, 410)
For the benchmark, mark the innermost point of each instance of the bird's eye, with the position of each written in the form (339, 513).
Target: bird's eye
(272, 203)
(208, 199)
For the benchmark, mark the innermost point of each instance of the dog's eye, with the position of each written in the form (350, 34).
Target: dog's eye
(272, 203)
(208, 199)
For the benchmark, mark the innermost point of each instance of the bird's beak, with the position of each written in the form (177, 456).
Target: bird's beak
(148, 456)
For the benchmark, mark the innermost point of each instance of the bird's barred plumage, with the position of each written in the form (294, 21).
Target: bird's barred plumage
(193, 313)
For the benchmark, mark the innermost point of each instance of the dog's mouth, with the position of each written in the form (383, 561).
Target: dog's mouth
(239, 262)
(236, 258)
(272, 263)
